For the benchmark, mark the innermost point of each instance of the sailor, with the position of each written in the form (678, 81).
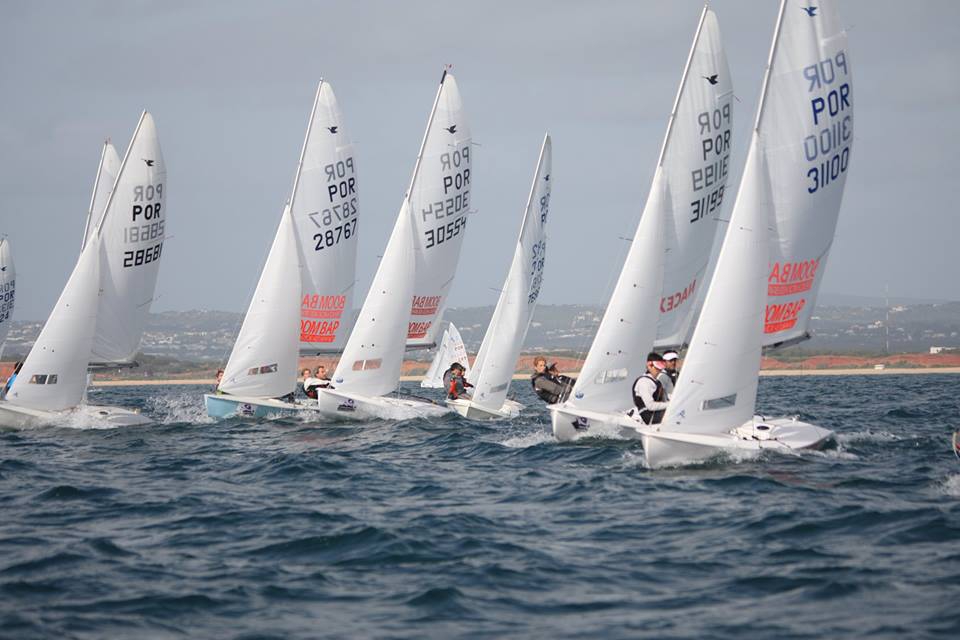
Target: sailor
(548, 384)
(321, 375)
(13, 376)
(455, 383)
(310, 384)
(216, 388)
(648, 394)
(668, 377)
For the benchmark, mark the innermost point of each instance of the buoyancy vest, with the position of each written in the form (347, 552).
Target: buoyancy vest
(648, 416)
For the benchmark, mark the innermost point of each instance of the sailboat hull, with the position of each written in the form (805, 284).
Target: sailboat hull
(665, 448)
(340, 405)
(471, 411)
(226, 406)
(80, 416)
(571, 423)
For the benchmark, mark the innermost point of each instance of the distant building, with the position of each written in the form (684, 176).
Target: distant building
(936, 350)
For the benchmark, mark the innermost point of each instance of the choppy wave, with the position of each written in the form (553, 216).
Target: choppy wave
(447, 528)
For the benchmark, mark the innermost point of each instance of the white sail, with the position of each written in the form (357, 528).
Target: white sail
(671, 248)
(497, 359)
(777, 208)
(440, 200)
(263, 362)
(326, 211)
(805, 125)
(451, 349)
(371, 360)
(717, 387)
(619, 351)
(695, 159)
(107, 171)
(132, 229)
(54, 375)
(8, 286)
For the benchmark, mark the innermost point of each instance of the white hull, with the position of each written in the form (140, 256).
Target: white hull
(665, 448)
(339, 405)
(225, 405)
(471, 411)
(571, 423)
(82, 416)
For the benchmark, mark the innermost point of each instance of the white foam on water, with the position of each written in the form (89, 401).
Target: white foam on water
(951, 486)
(530, 439)
(178, 407)
(867, 436)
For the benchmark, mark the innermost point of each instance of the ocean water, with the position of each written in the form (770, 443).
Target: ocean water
(447, 528)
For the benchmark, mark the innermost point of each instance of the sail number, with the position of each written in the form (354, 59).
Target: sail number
(143, 233)
(142, 256)
(441, 234)
(536, 270)
(338, 213)
(333, 236)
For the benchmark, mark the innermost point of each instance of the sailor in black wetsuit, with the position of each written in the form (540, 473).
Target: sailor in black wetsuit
(648, 395)
(548, 384)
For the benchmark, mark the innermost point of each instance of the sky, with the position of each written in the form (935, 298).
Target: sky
(230, 85)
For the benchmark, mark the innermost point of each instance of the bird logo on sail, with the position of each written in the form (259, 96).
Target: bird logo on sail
(332, 129)
(452, 128)
(149, 162)
(811, 10)
(546, 178)
(711, 79)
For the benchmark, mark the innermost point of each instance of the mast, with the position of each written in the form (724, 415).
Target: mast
(123, 165)
(766, 72)
(683, 84)
(426, 134)
(93, 196)
(306, 139)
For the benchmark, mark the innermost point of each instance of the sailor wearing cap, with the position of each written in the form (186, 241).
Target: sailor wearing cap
(648, 393)
(668, 377)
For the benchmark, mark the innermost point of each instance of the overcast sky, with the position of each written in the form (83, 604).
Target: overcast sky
(230, 85)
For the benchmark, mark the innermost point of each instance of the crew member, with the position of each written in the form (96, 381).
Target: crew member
(321, 375)
(455, 382)
(13, 376)
(668, 377)
(548, 384)
(648, 395)
(310, 384)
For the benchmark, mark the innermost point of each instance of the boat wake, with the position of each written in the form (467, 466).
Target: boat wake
(177, 408)
(951, 486)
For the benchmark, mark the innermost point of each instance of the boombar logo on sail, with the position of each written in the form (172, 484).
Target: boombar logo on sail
(789, 278)
(320, 317)
(425, 305)
(779, 317)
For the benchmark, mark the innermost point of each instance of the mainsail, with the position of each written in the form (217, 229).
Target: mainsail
(8, 284)
(325, 208)
(132, 229)
(805, 126)
(694, 159)
(440, 201)
(497, 358)
(777, 207)
(672, 244)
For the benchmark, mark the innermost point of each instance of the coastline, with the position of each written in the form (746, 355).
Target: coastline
(524, 376)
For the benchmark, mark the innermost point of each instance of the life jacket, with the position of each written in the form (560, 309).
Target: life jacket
(550, 397)
(649, 417)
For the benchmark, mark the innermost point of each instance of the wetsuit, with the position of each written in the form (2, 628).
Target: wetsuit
(551, 389)
(649, 398)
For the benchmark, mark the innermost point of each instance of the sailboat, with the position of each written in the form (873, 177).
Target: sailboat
(115, 271)
(497, 359)
(654, 295)
(8, 286)
(305, 286)
(450, 350)
(426, 236)
(788, 203)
